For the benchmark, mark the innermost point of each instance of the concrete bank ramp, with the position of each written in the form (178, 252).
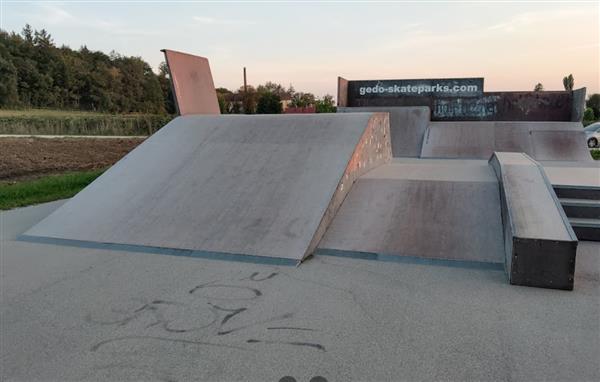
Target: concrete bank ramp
(546, 141)
(407, 126)
(264, 186)
(435, 209)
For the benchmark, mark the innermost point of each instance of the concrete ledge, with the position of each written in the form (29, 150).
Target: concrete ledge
(539, 243)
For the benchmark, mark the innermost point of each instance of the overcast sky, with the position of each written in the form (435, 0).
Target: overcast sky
(513, 45)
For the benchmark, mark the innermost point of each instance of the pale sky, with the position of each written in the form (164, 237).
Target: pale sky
(513, 45)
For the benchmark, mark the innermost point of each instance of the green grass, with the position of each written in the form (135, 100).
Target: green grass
(45, 189)
(48, 113)
(67, 122)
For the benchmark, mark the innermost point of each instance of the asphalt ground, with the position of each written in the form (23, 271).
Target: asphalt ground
(71, 313)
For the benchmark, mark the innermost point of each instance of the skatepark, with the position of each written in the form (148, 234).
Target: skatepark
(386, 241)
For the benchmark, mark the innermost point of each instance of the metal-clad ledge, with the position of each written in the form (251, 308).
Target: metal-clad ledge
(539, 243)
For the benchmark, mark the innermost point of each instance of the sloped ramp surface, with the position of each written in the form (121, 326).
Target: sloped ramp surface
(434, 209)
(263, 186)
(559, 146)
(479, 140)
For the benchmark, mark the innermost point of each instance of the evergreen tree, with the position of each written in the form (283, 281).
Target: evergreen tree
(569, 82)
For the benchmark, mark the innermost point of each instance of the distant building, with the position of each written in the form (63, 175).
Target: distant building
(286, 99)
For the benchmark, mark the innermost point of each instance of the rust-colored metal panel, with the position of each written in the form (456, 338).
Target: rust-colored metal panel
(342, 96)
(578, 104)
(192, 83)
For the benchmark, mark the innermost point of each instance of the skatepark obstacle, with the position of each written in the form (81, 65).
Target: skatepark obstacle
(540, 245)
(277, 188)
(264, 186)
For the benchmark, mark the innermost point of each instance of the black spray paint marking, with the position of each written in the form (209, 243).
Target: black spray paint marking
(163, 339)
(256, 292)
(233, 312)
(254, 278)
(290, 328)
(276, 318)
(309, 344)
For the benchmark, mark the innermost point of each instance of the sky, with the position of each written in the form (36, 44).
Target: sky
(513, 45)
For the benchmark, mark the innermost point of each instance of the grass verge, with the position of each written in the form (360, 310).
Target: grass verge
(45, 189)
(60, 122)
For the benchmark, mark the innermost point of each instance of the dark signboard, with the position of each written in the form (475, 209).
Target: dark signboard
(462, 99)
(393, 89)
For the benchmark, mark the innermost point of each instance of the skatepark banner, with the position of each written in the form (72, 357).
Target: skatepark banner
(448, 87)
(463, 99)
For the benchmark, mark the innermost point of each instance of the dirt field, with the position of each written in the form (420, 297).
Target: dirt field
(26, 158)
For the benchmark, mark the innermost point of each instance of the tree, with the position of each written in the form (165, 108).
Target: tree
(224, 99)
(269, 103)
(302, 100)
(594, 103)
(569, 82)
(34, 72)
(27, 33)
(249, 97)
(8, 73)
(325, 105)
(277, 89)
(588, 114)
(538, 87)
(165, 85)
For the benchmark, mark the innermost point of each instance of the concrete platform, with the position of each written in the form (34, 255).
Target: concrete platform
(81, 314)
(571, 173)
(439, 209)
(261, 186)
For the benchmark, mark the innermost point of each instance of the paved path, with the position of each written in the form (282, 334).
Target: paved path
(71, 313)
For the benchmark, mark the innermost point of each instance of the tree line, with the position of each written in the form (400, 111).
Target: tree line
(270, 98)
(36, 73)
